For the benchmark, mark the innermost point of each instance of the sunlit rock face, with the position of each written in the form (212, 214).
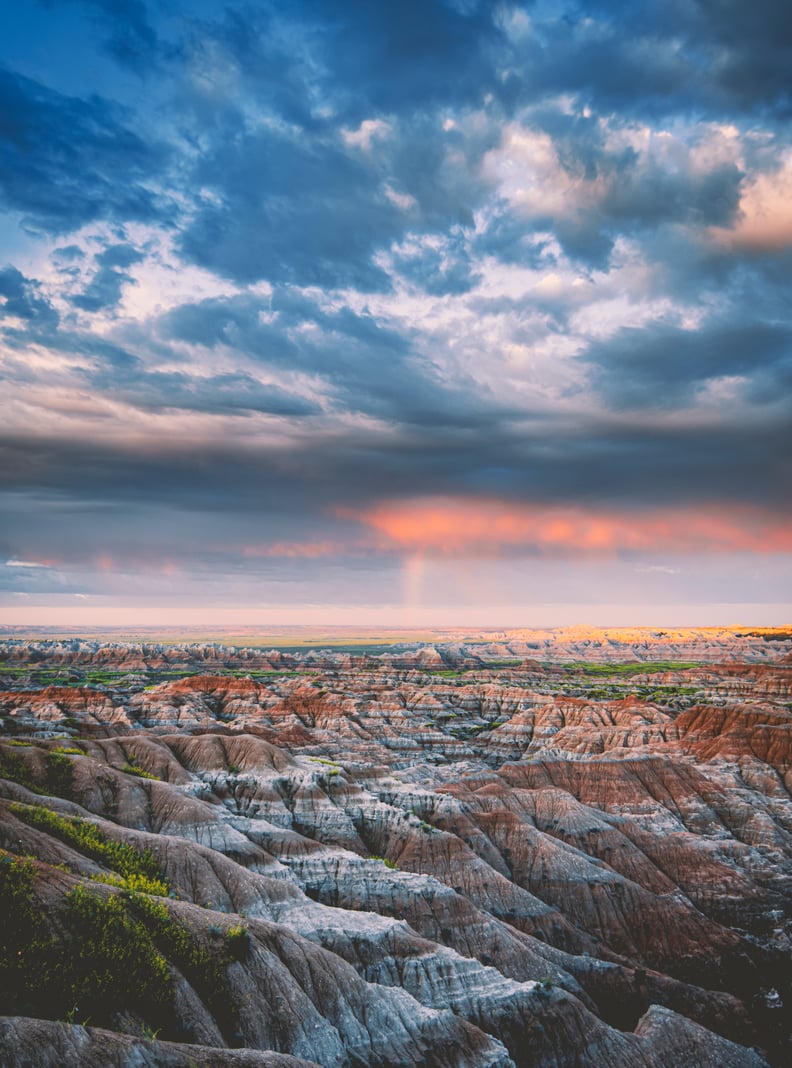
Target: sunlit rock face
(461, 856)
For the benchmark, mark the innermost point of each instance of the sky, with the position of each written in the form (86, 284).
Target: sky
(438, 311)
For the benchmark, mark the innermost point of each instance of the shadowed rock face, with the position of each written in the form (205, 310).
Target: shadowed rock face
(437, 862)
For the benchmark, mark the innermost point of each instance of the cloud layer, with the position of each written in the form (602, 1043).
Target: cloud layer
(292, 296)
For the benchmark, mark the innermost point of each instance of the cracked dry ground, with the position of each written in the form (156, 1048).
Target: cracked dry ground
(365, 864)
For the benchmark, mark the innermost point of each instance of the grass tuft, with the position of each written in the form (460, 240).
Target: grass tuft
(89, 840)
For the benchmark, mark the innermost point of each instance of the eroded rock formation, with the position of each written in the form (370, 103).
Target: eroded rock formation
(528, 864)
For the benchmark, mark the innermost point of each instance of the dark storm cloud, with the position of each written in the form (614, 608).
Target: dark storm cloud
(663, 366)
(611, 67)
(607, 466)
(660, 57)
(655, 58)
(748, 47)
(398, 57)
(639, 199)
(66, 161)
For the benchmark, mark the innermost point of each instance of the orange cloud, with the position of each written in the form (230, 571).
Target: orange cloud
(450, 526)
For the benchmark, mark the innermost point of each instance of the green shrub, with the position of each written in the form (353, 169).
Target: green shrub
(133, 768)
(133, 883)
(388, 863)
(90, 841)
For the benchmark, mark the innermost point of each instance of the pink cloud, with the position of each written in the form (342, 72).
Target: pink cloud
(764, 221)
(450, 526)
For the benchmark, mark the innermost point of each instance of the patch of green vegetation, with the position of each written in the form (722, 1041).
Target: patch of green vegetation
(233, 769)
(90, 841)
(135, 884)
(69, 750)
(102, 957)
(19, 743)
(388, 863)
(633, 667)
(19, 921)
(108, 962)
(204, 969)
(133, 768)
(15, 769)
(64, 677)
(58, 772)
(327, 763)
(663, 693)
(102, 963)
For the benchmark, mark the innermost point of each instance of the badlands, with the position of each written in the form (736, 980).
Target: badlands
(534, 848)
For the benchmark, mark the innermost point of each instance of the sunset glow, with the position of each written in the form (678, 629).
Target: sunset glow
(482, 526)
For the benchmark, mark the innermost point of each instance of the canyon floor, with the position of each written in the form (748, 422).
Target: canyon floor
(529, 848)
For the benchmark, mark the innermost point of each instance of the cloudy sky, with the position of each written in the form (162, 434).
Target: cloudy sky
(430, 311)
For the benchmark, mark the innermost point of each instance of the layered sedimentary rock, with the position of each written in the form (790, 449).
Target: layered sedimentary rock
(528, 864)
